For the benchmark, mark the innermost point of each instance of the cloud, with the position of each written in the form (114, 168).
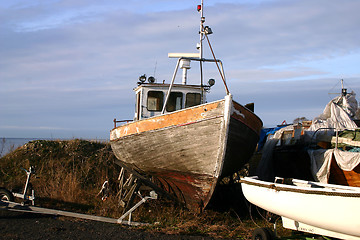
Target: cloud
(65, 61)
(294, 31)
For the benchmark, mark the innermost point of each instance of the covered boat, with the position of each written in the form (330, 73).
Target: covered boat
(323, 209)
(326, 149)
(185, 142)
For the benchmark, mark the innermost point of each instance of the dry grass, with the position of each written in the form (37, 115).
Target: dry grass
(69, 171)
(70, 174)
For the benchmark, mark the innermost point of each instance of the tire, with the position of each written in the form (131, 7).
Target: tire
(6, 195)
(262, 234)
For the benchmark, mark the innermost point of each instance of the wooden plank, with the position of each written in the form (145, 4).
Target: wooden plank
(145, 180)
(177, 148)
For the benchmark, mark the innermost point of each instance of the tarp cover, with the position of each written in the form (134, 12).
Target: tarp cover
(338, 115)
(265, 170)
(334, 116)
(321, 161)
(265, 132)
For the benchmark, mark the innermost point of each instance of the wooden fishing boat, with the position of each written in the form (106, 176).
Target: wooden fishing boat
(323, 209)
(183, 141)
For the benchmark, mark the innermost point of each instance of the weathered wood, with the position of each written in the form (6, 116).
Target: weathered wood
(129, 198)
(185, 116)
(176, 148)
(190, 150)
(145, 181)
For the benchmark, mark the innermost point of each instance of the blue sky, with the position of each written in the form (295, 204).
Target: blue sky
(68, 67)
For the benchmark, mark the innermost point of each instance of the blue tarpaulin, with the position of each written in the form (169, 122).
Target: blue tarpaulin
(265, 132)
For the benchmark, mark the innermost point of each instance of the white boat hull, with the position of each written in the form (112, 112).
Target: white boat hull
(323, 209)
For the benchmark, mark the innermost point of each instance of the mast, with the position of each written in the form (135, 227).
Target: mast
(204, 32)
(185, 58)
(202, 20)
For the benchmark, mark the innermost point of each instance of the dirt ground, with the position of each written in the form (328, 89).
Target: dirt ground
(15, 225)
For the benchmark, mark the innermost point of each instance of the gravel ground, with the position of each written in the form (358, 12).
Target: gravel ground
(14, 225)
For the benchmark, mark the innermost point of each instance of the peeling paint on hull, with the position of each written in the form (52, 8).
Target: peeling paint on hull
(190, 150)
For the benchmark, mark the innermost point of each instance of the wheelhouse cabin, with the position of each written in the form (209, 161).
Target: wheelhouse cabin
(150, 98)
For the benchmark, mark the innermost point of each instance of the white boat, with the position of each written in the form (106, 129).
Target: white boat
(317, 208)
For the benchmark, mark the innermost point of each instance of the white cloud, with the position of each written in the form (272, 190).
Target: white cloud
(74, 58)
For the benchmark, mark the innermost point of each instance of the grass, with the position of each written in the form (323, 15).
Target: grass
(69, 175)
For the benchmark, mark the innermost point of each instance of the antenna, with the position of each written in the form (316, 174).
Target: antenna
(335, 86)
(344, 91)
(155, 69)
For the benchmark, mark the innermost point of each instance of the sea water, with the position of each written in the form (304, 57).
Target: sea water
(8, 145)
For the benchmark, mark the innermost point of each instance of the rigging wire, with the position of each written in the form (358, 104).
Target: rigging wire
(217, 65)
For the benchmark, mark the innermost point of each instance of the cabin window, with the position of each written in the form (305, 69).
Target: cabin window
(192, 99)
(175, 101)
(155, 100)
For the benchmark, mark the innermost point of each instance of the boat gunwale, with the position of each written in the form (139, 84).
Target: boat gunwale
(322, 190)
(168, 127)
(168, 113)
(250, 112)
(251, 127)
(189, 108)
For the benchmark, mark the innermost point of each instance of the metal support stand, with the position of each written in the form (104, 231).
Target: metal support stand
(12, 206)
(153, 195)
(24, 195)
(129, 187)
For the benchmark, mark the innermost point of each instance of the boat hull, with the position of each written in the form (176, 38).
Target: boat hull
(325, 209)
(189, 150)
(342, 177)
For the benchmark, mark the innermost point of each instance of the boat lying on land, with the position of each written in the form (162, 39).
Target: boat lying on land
(323, 209)
(185, 142)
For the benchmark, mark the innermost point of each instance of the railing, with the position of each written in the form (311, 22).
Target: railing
(336, 130)
(121, 121)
